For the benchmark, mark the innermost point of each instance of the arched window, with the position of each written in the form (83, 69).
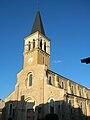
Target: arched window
(29, 46)
(81, 105)
(87, 95)
(70, 106)
(72, 89)
(80, 92)
(89, 106)
(62, 85)
(41, 44)
(30, 79)
(33, 43)
(50, 80)
(45, 46)
(51, 105)
(10, 109)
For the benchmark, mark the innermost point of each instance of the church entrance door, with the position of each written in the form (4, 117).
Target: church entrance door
(30, 114)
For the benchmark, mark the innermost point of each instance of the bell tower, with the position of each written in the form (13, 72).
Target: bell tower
(37, 45)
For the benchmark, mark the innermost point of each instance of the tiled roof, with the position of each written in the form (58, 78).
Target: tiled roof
(38, 26)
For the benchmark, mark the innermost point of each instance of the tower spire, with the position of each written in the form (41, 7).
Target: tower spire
(38, 25)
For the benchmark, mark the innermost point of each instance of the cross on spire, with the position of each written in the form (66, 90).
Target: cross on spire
(38, 4)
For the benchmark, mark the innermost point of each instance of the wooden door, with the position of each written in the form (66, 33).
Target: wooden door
(30, 114)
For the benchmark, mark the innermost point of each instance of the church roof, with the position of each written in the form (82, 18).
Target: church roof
(38, 26)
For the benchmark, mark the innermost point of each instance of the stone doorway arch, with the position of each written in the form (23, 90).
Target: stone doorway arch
(29, 109)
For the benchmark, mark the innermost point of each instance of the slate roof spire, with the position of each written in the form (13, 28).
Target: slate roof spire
(38, 26)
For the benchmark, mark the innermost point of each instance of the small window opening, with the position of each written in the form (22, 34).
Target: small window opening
(41, 44)
(81, 105)
(52, 106)
(72, 89)
(62, 85)
(80, 92)
(45, 46)
(50, 80)
(30, 79)
(33, 44)
(29, 46)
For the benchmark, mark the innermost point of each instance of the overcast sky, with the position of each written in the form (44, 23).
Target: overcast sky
(66, 23)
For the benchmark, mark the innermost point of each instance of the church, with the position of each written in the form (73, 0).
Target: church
(41, 94)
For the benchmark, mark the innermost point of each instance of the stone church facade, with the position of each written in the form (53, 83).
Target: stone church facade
(39, 91)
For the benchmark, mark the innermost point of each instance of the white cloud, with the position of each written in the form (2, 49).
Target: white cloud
(57, 61)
